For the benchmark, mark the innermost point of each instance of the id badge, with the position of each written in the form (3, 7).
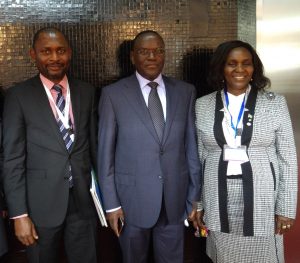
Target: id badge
(235, 154)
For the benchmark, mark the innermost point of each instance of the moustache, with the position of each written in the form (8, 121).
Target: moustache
(55, 65)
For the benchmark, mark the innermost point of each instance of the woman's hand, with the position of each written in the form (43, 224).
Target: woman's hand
(196, 217)
(283, 224)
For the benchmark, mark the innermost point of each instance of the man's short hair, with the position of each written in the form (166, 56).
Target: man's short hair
(47, 30)
(145, 32)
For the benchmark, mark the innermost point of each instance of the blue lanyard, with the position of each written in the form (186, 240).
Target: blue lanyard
(240, 113)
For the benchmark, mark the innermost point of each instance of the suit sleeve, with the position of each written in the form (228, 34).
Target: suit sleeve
(194, 189)
(93, 129)
(14, 145)
(286, 202)
(200, 144)
(107, 135)
(1, 168)
(2, 203)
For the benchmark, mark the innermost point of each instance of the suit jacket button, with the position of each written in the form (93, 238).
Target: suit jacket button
(161, 152)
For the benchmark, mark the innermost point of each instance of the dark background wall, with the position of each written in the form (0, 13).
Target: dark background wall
(100, 31)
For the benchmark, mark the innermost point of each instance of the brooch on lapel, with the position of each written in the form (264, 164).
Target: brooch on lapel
(250, 119)
(270, 95)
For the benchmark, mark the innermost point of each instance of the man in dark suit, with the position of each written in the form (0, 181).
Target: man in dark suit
(148, 164)
(3, 240)
(49, 151)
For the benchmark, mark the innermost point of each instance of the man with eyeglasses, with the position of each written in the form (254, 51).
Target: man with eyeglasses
(148, 166)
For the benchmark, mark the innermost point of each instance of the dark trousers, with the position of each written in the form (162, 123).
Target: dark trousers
(3, 241)
(168, 242)
(79, 235)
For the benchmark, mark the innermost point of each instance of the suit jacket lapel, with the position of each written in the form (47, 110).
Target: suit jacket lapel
(172, 99)
(75, 93)
(135, 97)
(219, 115)
(42, 100)
(248, 118)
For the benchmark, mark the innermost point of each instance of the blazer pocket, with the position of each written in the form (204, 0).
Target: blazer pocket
(125, 179)
(36, 174)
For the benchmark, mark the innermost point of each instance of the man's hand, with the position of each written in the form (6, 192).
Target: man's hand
(196, 217)
(283, 224)
(113, 219)
(25, 231)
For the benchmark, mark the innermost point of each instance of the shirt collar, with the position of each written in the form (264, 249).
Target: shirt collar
(144, 82)
(49, 84)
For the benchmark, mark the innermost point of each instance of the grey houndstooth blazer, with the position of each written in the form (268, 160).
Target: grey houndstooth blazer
(270, 176)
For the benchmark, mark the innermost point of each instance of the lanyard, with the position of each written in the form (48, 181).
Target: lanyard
(234, 127)
(63, 117)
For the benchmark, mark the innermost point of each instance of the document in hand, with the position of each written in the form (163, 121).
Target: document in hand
(96, 194)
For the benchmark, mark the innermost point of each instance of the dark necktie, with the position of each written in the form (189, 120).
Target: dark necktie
(65, 133)
(156, 110)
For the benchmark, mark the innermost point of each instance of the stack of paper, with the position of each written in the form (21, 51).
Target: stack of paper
(96, 194)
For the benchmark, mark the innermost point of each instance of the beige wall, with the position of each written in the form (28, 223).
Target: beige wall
(278, 44)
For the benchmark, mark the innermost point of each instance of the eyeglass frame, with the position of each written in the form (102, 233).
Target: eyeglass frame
(156, 52)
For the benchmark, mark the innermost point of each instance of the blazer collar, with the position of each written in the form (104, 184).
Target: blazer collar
(45, 109)
(219, 115)
(247, 119)
(135, 98)
(76, 93)
(42, 100)
(172, 101)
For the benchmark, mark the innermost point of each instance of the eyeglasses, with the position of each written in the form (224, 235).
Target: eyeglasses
(146, 52)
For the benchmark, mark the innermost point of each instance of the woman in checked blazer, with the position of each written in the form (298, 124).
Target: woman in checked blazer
(247, 150)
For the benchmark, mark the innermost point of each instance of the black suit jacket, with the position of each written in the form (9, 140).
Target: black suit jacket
(3, 240)
(36, 160)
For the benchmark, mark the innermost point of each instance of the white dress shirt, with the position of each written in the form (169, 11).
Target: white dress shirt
(161, 90)
(235, 102)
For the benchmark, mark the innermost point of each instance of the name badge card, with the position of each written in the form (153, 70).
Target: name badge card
(235, 154)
